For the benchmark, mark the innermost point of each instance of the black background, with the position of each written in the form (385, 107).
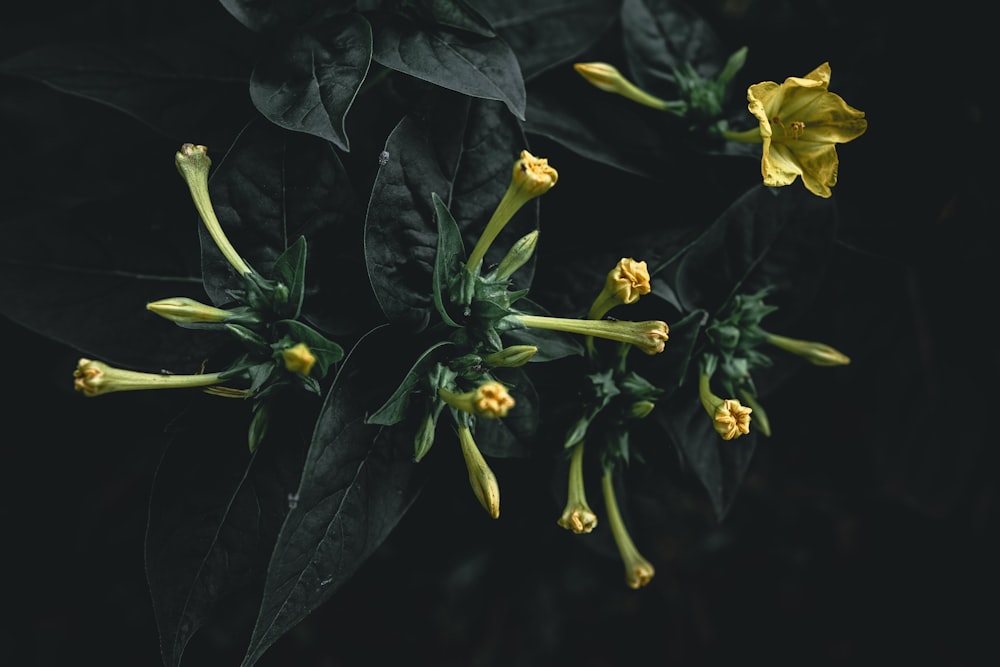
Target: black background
(866, 529)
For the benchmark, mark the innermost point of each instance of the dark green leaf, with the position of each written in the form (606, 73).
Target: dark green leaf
(449, 257)
(463, 150)
(265, 15)
(548, 33)
(394, 410)
(477, 66)
(215, 511)
(720, 465)
(458, 14)
(270, 189)
(660, 36)
(290, 270)
(309, 83)
(190, 86)
(357, 482)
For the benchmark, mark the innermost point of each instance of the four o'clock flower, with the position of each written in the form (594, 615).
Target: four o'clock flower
(531, 177)
(638, 570)
(193, 164)
(649, 336)
(606, 77)
(624, 284)
(95, 378)
(577, 515)
(490, 400)
(729, 418)
(299, 359)
(800, 124)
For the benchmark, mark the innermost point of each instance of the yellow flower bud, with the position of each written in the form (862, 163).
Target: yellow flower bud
(638, 570)
(481, 478)
(607, 78)
(624, 284)
(183, 310)
(819, 354)
(95, 378)
(299, 359)
(531, 177)
(518, 255)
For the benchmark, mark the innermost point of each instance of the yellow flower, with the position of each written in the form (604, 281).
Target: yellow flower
(649, 336)
(481, 478)
(299, 359)
(530, 177)
(638, 570)
(95, 378)
(800, 124)
(606, 77)
(577, 515)
(624, 284)
(489, 400)
(729, 418)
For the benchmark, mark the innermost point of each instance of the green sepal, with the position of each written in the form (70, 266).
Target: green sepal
(638, 388)
(449, 262)
(289, 270)
(394, 409)
(325, 350)
(259, 423)
(253, 341)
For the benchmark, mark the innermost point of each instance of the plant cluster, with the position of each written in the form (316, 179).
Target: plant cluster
(411, 292)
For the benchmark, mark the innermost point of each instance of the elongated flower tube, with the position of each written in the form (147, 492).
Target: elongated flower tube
(729, 418)
(481, 478)
(800, 124)
(531, 177)
(193, 164)
(96, 378)
(649, 336)
(490, 400)
(638, 570)
(819, 354)
(577, 515)
(299, 359)
(606, 77)
(624, 284)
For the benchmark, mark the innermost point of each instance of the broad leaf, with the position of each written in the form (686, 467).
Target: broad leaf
(357, 482)
(719, 464)
(449, 259)
(273, 187)
(549, 33)
(190, 86)
(483, 67)
(463, 150)
(308, 83)
(215, 511)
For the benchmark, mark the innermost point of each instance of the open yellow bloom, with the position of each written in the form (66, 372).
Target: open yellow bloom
(624, 284)
(801, 122)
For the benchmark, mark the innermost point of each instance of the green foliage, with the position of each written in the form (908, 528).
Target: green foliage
(362, 259)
